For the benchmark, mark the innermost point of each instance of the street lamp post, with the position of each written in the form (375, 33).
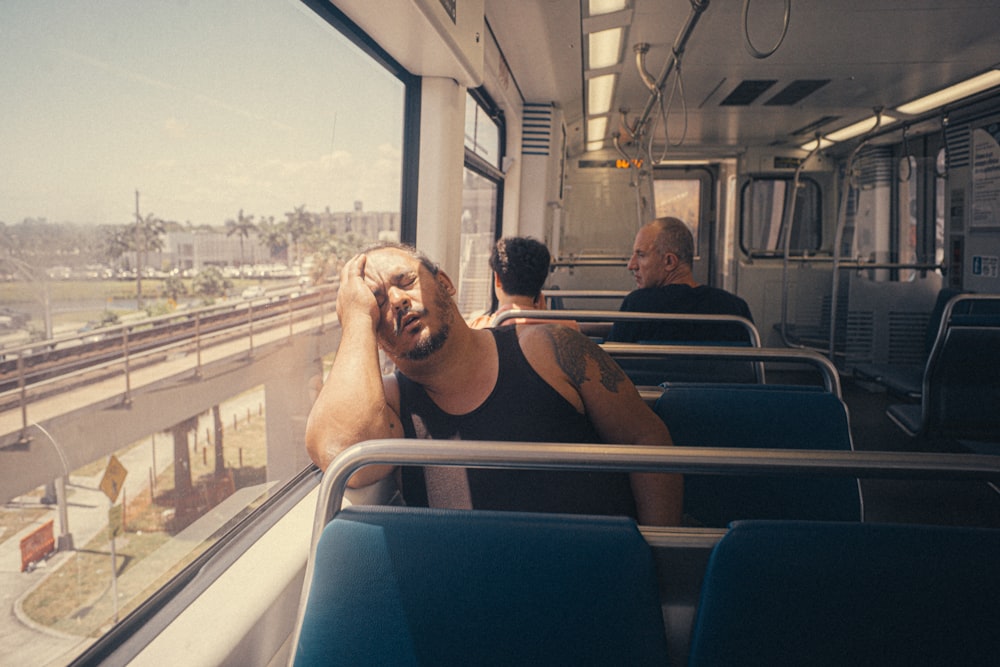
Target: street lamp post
(65, 540)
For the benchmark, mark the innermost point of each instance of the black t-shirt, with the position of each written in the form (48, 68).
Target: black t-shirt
(700, 300)
(521, 408)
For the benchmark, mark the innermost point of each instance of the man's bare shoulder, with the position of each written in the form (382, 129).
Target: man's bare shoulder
(552, 346)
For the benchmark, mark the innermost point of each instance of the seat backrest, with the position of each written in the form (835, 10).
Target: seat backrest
(813, 593)
(962, 384)
(937, 312)
(657, 370)
(760, 416)
(406, 586)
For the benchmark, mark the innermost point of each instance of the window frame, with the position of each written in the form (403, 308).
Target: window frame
(746, 228)
(482, 167)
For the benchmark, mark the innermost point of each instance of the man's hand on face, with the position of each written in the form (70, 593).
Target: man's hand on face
(355, 299)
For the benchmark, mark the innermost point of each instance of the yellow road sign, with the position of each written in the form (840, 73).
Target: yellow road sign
(114, 478)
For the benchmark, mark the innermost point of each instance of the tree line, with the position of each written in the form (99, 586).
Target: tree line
(40, 244)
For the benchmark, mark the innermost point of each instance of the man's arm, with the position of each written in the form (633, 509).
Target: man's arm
(574, 362)
(352, 406)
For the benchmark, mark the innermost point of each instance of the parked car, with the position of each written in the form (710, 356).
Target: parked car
(253, 292)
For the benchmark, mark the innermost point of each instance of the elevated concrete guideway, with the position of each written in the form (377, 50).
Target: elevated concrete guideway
(92, 421)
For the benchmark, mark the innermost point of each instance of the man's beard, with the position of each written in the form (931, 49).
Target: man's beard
(426, 348)
(429, 346)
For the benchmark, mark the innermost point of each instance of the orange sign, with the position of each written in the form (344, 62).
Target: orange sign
(37, 545)
(114, 478)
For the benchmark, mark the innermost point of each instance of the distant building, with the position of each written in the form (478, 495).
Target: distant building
(196, 249)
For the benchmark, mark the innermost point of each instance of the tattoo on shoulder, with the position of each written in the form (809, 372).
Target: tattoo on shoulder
(572, 352)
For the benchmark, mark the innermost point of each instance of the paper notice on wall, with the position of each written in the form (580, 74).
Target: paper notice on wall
(985, 178)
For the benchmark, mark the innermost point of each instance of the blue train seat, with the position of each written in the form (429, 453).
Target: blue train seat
(657, 370)
(760, 416)
(407, 586)
(961, 386)
(814, 593)
(952, 307)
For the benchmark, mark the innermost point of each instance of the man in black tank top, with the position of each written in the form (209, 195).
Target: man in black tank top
(546, 417)
(539, 383)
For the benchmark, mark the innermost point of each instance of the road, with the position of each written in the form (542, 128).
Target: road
(25, 643)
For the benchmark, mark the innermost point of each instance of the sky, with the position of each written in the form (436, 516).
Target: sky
(203, 107)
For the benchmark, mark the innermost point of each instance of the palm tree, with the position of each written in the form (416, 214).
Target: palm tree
(299, 225)
(274, 236)
(148, 235)
(242, 225)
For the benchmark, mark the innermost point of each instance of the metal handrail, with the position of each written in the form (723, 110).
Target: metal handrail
(589, 261)
(619, 316)
(831, 378)
(583, 293)
(641, 458)
(698, 7)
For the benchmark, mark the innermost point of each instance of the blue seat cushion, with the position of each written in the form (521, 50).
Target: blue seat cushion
(407, 586)
(813, 593)
(760, 416)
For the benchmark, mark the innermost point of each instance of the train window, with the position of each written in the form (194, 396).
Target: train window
(479, 209)
(920, 218)
(482, 133)
(762, 217)
(169, 160)
(680, 198)
(481, 195)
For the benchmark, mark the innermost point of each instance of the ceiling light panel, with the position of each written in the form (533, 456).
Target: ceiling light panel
(952, 93)
(598, 7)
(596, 129)
(861, 127)
(600, 90)
(604, 48)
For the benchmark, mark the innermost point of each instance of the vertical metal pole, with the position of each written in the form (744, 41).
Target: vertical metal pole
(197, 344)
(152, 486)
(128, 376)
(65, 541)
(250, 322)
(114, 568)
(22, 385)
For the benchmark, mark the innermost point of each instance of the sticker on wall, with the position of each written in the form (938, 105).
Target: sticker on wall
(986, 266)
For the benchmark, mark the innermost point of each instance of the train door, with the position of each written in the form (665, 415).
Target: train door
(784, 263)
(887, 255)
(686, 193)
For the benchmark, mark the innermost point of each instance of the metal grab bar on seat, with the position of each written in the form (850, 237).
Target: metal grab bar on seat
(829, 373)
(641, 458)
(618, 316)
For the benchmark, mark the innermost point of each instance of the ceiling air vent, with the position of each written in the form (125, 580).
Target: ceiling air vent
(795, 92)
(747, 92)
(536, 129)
